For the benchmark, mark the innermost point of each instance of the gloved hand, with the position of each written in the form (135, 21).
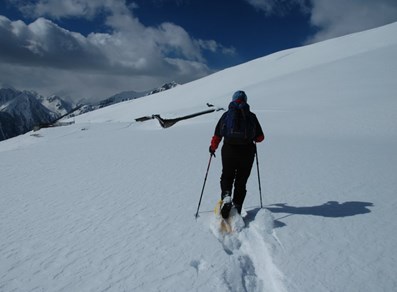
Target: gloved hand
(259, 138)
(212, 151)
(215, 140)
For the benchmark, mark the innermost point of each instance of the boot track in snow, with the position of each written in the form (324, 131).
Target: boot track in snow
(249, 246)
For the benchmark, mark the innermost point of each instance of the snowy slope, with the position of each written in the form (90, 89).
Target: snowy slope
(108, 204)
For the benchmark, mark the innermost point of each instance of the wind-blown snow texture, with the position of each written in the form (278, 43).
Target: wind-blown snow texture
(108, 204)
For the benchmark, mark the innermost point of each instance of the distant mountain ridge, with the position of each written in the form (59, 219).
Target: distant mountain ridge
(164, 87)
(129, 95)
(120, 97)
(21, 111)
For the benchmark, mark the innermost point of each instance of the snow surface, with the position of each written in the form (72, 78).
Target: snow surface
(108, 204)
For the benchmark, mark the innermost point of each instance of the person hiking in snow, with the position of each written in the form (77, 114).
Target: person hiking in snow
(240, 129)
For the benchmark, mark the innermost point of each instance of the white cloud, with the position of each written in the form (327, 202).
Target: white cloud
(279, 7)
(174, 39)
(137, 55)
(340, 17)
(337, 17)
(66, 8)
(43, 43)
(213, 46)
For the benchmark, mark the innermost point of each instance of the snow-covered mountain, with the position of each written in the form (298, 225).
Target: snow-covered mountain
(56, 105)
(129, 95)
(165, 86)
(20, 111)
(119, 97)
(7, 94)
(108, 203)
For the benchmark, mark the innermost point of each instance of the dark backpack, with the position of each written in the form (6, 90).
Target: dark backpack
(238, 125)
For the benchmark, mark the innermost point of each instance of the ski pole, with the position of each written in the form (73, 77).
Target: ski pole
(205, 180)
(259, 178)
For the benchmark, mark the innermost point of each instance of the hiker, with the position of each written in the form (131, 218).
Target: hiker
(240, 129)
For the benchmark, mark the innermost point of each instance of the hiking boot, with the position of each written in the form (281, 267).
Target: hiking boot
(238, 207)
(226, 194)
(226, 206)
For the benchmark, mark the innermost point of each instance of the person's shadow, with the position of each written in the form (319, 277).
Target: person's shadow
(331, 209)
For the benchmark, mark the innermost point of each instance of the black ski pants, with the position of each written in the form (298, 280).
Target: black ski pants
(237, 163)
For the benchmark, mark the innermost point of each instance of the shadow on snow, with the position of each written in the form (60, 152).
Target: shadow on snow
(331, 209)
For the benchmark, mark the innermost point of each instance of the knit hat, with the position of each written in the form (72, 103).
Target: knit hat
(239, 95)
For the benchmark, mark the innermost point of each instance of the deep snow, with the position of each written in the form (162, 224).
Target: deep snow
(108, 204)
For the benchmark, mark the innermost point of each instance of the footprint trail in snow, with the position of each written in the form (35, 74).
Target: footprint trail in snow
(251, 266)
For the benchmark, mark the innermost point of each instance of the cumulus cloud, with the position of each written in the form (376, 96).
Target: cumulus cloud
(337, 17)
(43, 43)
(128, 53)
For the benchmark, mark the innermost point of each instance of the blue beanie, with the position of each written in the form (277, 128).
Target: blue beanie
(239, 95)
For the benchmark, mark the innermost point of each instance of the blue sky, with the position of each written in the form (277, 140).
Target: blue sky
(93, 49)
(234, 24)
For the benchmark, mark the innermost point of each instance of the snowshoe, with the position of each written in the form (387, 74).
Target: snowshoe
(226, 207)
(232, 224)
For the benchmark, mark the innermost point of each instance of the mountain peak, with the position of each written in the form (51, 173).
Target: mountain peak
(22, 110)
(165, 86)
